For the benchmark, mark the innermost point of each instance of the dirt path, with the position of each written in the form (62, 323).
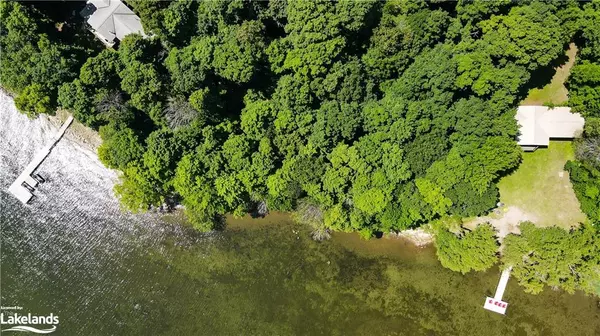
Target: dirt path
(554, 92)
(506, 223)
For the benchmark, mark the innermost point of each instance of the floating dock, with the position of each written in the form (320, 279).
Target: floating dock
(22, 188)
(496, 304)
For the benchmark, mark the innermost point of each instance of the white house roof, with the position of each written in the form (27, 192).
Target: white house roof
(539, 124)
(112, 19)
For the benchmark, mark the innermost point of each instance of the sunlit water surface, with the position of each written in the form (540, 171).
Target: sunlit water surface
(74, 253)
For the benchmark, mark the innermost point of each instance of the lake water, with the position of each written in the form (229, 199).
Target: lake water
(73, 253)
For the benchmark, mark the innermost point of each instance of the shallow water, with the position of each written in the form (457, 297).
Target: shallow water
(103, 272)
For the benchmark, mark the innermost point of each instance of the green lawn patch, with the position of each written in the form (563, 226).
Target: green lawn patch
(554, 92)
(542, 188)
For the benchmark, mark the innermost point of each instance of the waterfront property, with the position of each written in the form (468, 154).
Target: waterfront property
(539, 124)
(111, 20)
(24, 186)
(157, 278)
(541, 188)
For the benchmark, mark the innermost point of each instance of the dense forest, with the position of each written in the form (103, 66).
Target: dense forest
(375, 116)
(366, 116)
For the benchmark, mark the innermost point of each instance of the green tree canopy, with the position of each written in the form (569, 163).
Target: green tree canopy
(33, 101)
(466, 251)
(34, 64)
(554, 257)
(189, 66)
(239, 51)
(120, 146)
(584, 88)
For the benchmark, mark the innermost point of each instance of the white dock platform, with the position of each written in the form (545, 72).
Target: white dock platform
(496, 304)
(22, 187)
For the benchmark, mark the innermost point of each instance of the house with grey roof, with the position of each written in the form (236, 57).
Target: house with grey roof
(539, 124)
(111, 20)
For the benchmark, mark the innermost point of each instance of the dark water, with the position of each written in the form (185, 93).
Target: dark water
(73, 253)
(268, 280)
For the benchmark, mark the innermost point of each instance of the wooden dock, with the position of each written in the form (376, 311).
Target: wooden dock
(22, 188)
(496, 304)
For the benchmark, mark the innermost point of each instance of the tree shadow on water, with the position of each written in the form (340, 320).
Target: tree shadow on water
(220, 223)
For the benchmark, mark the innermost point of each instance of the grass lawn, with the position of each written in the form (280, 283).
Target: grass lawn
(537, 188)
(554, 92)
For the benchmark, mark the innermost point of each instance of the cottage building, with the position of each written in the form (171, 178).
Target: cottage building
(539, 124)
(111, 20)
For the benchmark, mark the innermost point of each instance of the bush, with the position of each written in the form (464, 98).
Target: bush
(33, 101)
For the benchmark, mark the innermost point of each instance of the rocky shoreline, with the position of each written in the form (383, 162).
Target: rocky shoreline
(420, 236)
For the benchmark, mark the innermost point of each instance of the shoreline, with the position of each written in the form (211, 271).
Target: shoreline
(89, 140)
(418, 238)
